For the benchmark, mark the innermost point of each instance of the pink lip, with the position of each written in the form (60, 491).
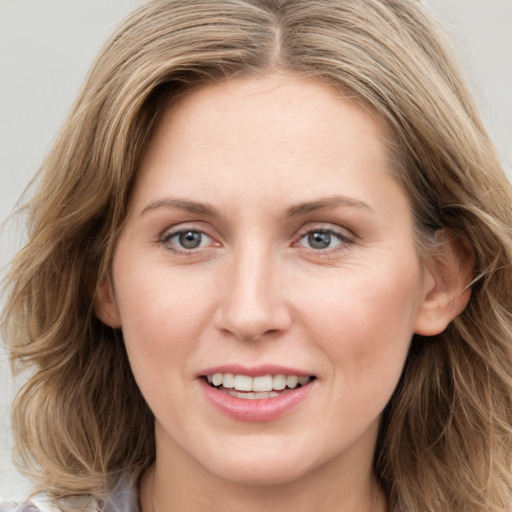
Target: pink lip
(255, 371)
(257, 410)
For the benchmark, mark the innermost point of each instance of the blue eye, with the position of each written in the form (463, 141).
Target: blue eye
(187, 240)
(321, 239)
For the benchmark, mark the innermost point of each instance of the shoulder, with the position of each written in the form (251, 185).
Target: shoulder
(9, 506)
(122, 498)
(44, 503)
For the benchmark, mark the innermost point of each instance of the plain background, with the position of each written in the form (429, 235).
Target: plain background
(46, 47)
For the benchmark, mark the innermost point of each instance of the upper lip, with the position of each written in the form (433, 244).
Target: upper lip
(254, 371)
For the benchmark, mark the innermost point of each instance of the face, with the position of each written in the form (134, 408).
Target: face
(266, 281)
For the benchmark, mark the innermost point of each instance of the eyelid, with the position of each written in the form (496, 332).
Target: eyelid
(345, 236)
(169, 233)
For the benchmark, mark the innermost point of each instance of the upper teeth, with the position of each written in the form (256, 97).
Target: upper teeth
(263, 383)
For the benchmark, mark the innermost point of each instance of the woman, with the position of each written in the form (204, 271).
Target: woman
(268, 269)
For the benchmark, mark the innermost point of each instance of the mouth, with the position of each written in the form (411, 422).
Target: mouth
(256, 388)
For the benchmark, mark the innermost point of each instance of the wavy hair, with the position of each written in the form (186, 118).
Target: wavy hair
(445, 442)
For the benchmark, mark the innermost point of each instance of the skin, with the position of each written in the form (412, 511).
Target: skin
(257, 150)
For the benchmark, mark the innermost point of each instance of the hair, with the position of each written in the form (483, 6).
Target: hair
(445, 442)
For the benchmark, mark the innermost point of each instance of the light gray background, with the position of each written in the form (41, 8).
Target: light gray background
(46, 47)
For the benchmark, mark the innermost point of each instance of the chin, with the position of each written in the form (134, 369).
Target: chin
(257, 475)
(260, 467)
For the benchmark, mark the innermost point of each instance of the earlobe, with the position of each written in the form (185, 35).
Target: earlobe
(105, 306)
(447, 285)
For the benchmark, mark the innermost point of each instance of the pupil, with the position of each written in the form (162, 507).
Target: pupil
(190, 239)
(319, 240)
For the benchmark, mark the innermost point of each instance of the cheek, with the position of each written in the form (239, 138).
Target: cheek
(364, 324)
(161, 301)
(162, 314)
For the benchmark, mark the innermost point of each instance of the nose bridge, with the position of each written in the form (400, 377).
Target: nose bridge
(252, 302)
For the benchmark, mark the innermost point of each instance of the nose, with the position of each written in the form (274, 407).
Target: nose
(252, 303)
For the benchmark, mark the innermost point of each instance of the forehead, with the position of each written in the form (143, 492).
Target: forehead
(274, 134)
(271, 100)
(276, 116)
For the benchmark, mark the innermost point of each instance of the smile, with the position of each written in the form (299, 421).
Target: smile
(262, 397)
(251, 388)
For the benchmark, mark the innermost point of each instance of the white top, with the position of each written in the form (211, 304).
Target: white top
(123, 498)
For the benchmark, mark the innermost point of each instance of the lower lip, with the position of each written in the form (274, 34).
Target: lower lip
(257, 410)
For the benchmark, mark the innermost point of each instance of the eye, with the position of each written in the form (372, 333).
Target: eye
(322, 239)
(185, 240)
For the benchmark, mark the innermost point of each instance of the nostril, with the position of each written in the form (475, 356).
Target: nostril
(252, 309)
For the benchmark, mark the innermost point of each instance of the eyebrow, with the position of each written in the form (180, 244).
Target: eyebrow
(328, 202)
(184, 205)
(208, 210)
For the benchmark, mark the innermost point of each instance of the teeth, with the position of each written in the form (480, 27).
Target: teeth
(292, 381)
(279, 382)
(253, 396)
(256, 385)
(262, 383)
(228, 381)
(303, 380)
(243, 383)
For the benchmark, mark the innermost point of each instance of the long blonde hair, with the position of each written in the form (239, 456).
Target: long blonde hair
(445, 442)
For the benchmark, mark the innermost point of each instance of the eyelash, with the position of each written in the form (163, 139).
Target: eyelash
(343, 240)
(169, 235)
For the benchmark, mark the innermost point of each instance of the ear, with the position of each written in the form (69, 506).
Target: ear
(105, 305)
(447, 281)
